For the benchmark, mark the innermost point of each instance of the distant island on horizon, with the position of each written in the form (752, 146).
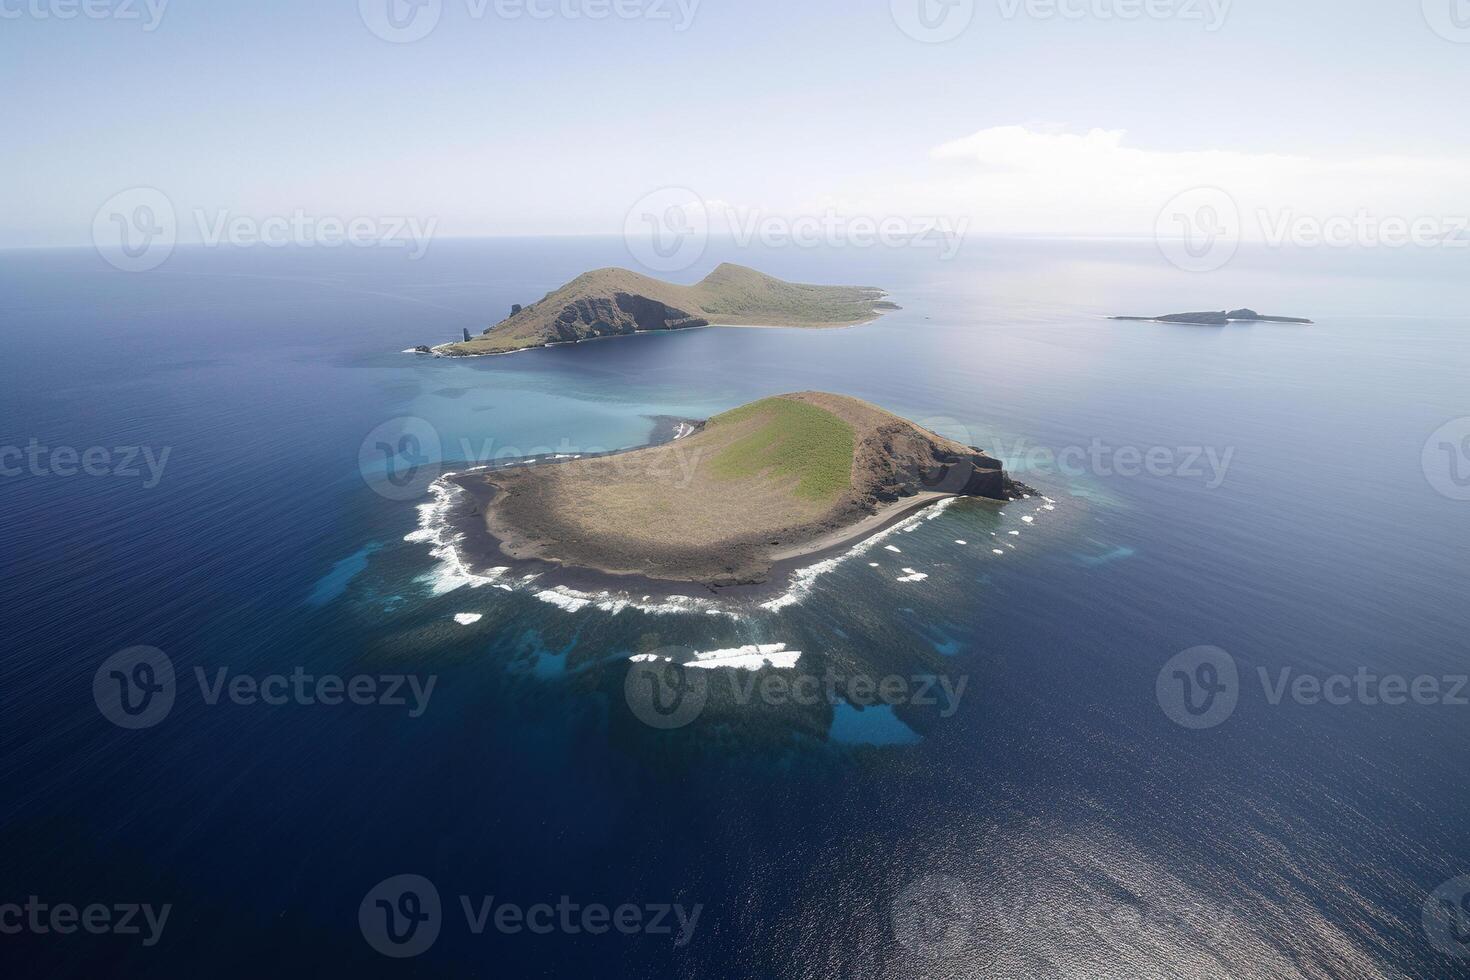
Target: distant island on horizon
(1215, 318)
(734, 502)
(619, 302)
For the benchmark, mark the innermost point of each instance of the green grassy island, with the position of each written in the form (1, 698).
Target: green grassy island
(773, 481)
(617, 302)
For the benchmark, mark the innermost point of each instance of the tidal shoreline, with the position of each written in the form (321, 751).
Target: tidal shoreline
(684, 520)
(443, 350)
(479, 552)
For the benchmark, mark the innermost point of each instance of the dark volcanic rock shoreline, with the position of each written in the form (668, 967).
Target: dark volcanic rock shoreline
(480, 552)
(534, 546)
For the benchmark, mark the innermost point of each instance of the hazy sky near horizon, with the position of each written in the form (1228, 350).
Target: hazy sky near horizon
(1048, 116)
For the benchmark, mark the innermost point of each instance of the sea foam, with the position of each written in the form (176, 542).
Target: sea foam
(451, 573)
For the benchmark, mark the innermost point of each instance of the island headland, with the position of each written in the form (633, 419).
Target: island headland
(746, 499)
(619, 302)
(1215, 318)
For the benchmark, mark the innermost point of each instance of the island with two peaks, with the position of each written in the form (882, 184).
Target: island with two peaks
(619, 302)
(1215, 318)
(743, 499)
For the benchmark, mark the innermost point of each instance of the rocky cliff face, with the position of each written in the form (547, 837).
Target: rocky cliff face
(905, 461)
(615, 302)
(622, 313)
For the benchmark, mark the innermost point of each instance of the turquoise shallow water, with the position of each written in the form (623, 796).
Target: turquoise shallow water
(1057, 817)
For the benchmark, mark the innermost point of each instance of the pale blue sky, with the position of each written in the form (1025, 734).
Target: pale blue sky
(524, 126)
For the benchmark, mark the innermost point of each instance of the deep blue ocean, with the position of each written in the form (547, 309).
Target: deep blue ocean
(1051, 820)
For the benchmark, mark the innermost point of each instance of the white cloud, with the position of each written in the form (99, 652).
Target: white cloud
(1049, 181)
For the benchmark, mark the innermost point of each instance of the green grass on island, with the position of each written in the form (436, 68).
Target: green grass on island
(619, 302)
(795, 441)
(770, 481)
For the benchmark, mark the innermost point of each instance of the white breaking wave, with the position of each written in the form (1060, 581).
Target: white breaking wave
(802, 581)
(571, 601)
(753, 657)
(451, 573)
(468, 619)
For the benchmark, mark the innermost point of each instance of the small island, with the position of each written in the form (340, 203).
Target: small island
(619, 302)
(1215, 318)
(735, 501)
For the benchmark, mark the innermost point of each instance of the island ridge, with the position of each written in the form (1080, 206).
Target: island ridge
(1216, 318)
(615, 302)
